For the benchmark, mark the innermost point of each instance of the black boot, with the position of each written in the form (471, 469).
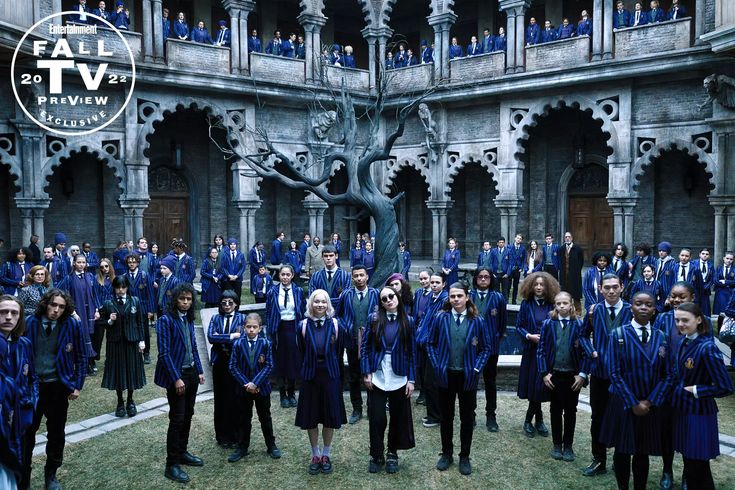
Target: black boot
(50, 480)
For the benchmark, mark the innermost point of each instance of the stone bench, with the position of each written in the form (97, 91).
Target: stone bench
(353, 78)
(416, 78)
(558, 54)
(277, 68)
(197, 57)
(478, 67)
(653, 38)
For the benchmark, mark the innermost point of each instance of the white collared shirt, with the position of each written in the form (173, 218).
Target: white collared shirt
(638, 329)
(289, 312)
(618, 306)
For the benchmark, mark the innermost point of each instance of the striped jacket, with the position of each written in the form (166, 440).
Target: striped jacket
(163, 292)
(331, 350)
(172, 350)
(546, 352)
(637, 371)
(221, 341)
(403, 360)
(435, 306)
(142, 288)
(185, 269)
(595, 325)
(495, 314)
(273, 309)
(478, 347)
(341, 281)
(71, 356)
(253, 367)
(590, 283)
(346, 313)
(230, 268)
(699, 364)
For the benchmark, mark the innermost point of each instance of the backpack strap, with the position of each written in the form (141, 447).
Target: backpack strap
(336, 328)
(303, 327)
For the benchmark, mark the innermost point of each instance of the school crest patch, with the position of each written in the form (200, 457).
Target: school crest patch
(168, 293)
(475, 341)
(133, 310)
(25, 369)
(141, 286)
(689, 364)
(662, 351)
(69, 347)
(494, 312)
(261, 359)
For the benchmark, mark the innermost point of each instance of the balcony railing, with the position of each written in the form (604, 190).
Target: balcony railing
(277, 68)
(556, 54)
(111, 39)
(653, 38)
(353, 78)
(197, 57)
(478, 67)
(414, 78)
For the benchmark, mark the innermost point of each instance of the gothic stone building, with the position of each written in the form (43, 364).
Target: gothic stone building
(600, 135)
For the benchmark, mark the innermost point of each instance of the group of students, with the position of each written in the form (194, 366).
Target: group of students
(623, 18)
(119, 17)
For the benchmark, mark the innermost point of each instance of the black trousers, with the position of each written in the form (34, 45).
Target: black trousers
(354, 377)
(400, 433)
(225, 401)
(97, 337)
(245, 402)
(233, 286)
(563, 409)
(287, 388)
(467, 404)
(598, 402)
(181, 410)
(53, 403)
(698, 474)
(431, 394)
(551, 270)
(501, 284)
(489, 376)
(513, 279)
(640, 470)
(667, 438)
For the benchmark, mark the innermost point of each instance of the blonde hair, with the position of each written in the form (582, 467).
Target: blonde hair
(572, 312)
(348, 49)
(310, 303)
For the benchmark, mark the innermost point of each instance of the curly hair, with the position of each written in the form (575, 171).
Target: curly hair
(32, 272)
(551, 286)
(182, 288)
(48, 296)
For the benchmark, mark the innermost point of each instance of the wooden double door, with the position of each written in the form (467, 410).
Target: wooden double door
(166, 218)
(591, 223)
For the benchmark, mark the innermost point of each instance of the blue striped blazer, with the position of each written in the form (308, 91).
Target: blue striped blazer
(259, 371)
(595, 325)
(546, 352)
(346, 314)
(699, 364)
(19, 366)
(478, 347)
(102, 292)
(667, 324)
(637, 373)
(171, 350)
(142, 288)
(435, 306)
(403, 360)
(163, 293)
(592, 294)
(221, 341)
(341, 281)
(495, 314)
(11, 453)
(693, 277)
(273, 309)
(185, 269)
(331, 350)
(656, 289)
(256, 285)
(11, 275)
(71, 354)
(420, 305)
(230, 268)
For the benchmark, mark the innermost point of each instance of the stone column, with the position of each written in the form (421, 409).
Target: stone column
(730, 243)
(510, 33)
(133, 210)
(699, 20)
(515, 56)
(377, 38)
(439, 226)
(597, 22)
(247, 211)
(372, 65)
(520, 39)
(720, 231)
(245, 196)
(629, 221)
(26, 218)
(315, 207)
(607, 30)
(158, 40)
(508, 207)
(441, 23)
(235, 42)
(239, 11)
(38, 225)
(623, 218)
(312, 25)
(618, 224)
(147, 31)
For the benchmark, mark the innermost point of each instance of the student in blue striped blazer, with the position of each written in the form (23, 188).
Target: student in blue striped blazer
(320, 338)
(563, 369)
(699, 377)
(650, 285)
(638, 362)
(141, 286)
(250, 365)
(332, 279)
(388, 364)
(493, 308)
(261, 283)
(593, 279)
(166, 283)
(179, 371)
(60, 363)
(437, 300)
(421, 299)
(459, 345)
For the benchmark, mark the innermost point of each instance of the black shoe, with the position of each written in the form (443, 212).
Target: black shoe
(465, 468)
(375, 465)
(237, 455)
(147, 359)
(355, 417)
(315, 467)
(568, 454)
(421, 400)
(131, 409)
(326, 465)
(190, 460)
(492, 425)
(175, 473)
(274, 452)
(595, 468)
(667, 481)
(50, 481)
(431, 423)
(91, 371)
(120, 411)
(541, 429)
(528, 429)
(391, 464)
(285, 403)
(293, 402)
(445, 461)
(556, 452)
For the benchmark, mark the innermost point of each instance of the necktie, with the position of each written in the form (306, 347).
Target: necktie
(482, 296)
(727, 272)
(637, 16)
(644, 335)
(660, 268)
(233, 256)
(426, 291)
(683, 273)
(47, 327)
(686, 341)
(616, 264)
(704, 268)
(227, 323)
(612, 312)
(23, 268)
(360, 296)
(391, 317)
(120, 301)
(221, 36)
(564, 323)
(252, 344)
(285, 297)
(329, 276)
(319, 323)
(79, 275)
(459, 319)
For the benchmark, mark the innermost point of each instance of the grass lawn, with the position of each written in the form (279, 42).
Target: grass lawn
(133, 458)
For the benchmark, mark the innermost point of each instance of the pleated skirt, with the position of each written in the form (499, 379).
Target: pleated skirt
(320, 401)
(696, 436)
(628, 433)
(124, 369)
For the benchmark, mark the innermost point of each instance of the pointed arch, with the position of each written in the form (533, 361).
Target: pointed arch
(486, 161)
(649, 157)
(395, 166)
(82, 146)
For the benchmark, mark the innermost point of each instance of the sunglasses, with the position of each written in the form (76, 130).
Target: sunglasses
(387, 297)
(483, 276)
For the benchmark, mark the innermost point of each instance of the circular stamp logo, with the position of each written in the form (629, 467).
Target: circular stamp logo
(73, 79)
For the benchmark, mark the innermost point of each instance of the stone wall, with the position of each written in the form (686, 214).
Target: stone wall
(277, 68)
(112, 43)
(352, 78)
(479, 67)
(416, 78)
(558, 54)
(652, 38)
(281, 210)
(661, 102)
(479, 121)
(473, 218)
(197, 57)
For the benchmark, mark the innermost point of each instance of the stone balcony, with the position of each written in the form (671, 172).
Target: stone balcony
(277, 68)
(557, 54)
(197, 57)
(112, 42)
(416, 78)
(353, 78)
(653, 38)
(481, 67)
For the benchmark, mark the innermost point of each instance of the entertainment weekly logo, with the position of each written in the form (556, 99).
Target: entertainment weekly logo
(74, 82)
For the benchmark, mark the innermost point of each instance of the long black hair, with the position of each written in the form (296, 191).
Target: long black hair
(180, 289)
(380, 320)
(491, 287)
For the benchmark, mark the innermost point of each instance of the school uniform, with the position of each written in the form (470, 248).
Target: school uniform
(559, 353)
(531, 317)
(656, 15)
(458, 348)
(320, 398)
(500, 43)
(676, 12)
(684, 272)
(60, 362)
(598, 326)
(427, 55)
(400, 59)
(81, 288)
(211, 290)
(54, 268)
(102, 294)
(638, 263)
(260, 286)
(233, 266)
(163, 294)
(181, 30)
(118, 261)
(621, 19)
(252, 362)
(178, 358)
(141, 287)
(356, 256)
(93, 261)
(473, 49)
(584, 28)
(723, 290)
(590, 285)
(421, 301)
(392, 365)
(494, 310)
(124, 368)
(349, 61)
(80, 17)
(404, 263)
(166, 28)
(548, 35)
(653, 287)
(276, 251)
(368, 260)
(254, 45)
(451, 261)
(534, 262)
(293, 258)
(455, 51)
(483, 259)
(120, 19)
(517, 255)
(621, 269)
(429, 389)
(699, 363)
(552, 261)
(13, 273)
(565, 32)
(256, 259)
(223, 37)
(333, 282)
(707, 269)
(638, 362)
(354, 310)
(284, 309)
(274, 47)
(487, 43)
(638, 18)
(301, 51)
(186, 268)
(533, 34)
(224, 384)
